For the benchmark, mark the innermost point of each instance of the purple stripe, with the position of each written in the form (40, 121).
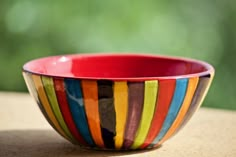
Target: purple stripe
(135, 96)
(198, 96)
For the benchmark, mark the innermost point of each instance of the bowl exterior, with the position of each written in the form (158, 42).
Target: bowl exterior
(117, 115)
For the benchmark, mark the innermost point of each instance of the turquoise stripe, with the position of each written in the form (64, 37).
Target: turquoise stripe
(178, 98)
(75, 101)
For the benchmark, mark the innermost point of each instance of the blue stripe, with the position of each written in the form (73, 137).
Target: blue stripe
(177, 100)
(75, 101)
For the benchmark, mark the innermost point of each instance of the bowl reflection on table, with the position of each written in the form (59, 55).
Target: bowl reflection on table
(117, 101)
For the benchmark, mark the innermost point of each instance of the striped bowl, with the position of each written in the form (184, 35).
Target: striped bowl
(117, 101)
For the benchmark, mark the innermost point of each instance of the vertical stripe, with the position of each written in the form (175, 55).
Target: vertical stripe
(49, 89)
(180, 90)
(192, 85)
(30, 86)
(121, 109)
(150, 96)
(33, 92)
(76, 104)
(44, 100)
(166, 90)
(135, 99)
(65, 110)
(200, 93)
(90, 93)
(107, 112)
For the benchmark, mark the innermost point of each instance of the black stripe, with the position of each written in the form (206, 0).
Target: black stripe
(107, 112)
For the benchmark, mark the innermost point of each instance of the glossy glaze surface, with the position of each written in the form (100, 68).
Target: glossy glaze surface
(118, 114)
(117, 67)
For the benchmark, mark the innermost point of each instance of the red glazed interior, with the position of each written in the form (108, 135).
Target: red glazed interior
(117, 66)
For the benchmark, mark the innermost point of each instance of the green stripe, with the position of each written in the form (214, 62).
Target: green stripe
(150, 95)
(49, 88)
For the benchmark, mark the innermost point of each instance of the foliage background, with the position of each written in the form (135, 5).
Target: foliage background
(203, 29)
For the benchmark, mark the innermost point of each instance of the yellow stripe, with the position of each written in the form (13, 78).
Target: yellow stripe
(192, 85)
(49, 89)
(150, 96)
(121, 108)
(44, 100)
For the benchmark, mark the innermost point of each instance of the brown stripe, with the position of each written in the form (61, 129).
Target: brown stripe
(136, 97)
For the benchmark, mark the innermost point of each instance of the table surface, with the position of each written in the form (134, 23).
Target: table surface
(24, 132)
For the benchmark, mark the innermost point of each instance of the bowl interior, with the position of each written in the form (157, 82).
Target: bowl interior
(115, 66)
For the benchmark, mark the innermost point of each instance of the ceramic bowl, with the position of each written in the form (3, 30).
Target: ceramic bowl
(117, 101)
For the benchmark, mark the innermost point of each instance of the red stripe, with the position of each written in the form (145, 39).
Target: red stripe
(165, 94)
(65, 110)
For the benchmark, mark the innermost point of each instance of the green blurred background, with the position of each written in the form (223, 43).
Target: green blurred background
(203, 29)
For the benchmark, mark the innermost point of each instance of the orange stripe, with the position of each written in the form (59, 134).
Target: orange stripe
(44, 100)
(90, 94)
(192, 85)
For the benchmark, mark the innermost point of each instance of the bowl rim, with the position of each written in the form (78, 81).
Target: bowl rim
(209, 68)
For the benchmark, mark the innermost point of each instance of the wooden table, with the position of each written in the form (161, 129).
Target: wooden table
(24, 132)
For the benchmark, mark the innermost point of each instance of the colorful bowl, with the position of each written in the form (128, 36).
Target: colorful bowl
(117, 101)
